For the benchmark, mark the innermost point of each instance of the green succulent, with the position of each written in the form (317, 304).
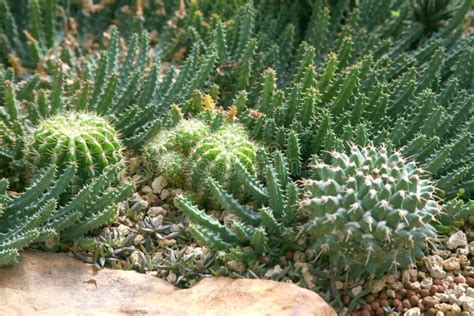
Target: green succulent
(263, 222)
(217, 155)
(192, 151)
(167, 153)
(433, 14)
(37, 214)
(182, 138)
(369, 211)
(80, 138)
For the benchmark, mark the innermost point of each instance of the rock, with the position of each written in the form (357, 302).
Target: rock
(452, 298)
(236, 266)
(470, 292)
(463, 251)
(276, 271)
(378, 286)
(452, 264)
(356, 290)
(415, 285)
(443, 253)
(443, 307)
(442, 297)
(165, 193)
(413, 312)
(406, 276)
(137, 259)
(459, 290)
(464, 261)
(123, 230)
(138, 239)
(468, 306)
(391, 293)
(427, 283)
(146, 189)
(470, 281)
(389, 278)
(397, 286)
(471, 248)
(455, 310)
(464, 298)
(457, 240)
(157, 210)
(435, 266)
(159, 184)
(55, 284)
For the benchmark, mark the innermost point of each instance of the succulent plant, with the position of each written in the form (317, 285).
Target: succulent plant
(80, 138)
(369, 211)
(37, 215)
(262, 224)
(194, 150)
(217, 155)
(167, 152)
(181, 138)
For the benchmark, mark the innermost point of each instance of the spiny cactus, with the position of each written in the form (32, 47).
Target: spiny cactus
(195, 150)
(264, 226)
(80, 138)
(181, 138)
(168, 152)
(217, 155)
(328, 109)
(370, 211)
(29, 29)
(37, 215)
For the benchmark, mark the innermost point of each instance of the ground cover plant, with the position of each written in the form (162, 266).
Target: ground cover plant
(326, 143)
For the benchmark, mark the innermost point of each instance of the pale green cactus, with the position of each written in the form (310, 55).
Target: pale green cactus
(218, 154)
(369, 211)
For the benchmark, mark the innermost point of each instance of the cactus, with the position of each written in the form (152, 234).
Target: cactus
(192, 151)
(80, 138)
(217, 155)
(37, 215)
(181, 138)
(167, 153)
(263, 226)
(369, 211)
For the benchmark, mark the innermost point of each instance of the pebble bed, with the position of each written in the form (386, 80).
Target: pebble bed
(150, 237)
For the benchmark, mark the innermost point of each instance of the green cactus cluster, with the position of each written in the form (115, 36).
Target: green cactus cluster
(218, 154)
(193, 151)
(263, 227)
(168, 152)
(37, 215)
(320, 126)
(83, 139)
(369, 211)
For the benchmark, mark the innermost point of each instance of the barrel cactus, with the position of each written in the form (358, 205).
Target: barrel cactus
(369, 211)
(217, 155)
(80, 138)
(167, 153)
(194, 151)
(182, 138)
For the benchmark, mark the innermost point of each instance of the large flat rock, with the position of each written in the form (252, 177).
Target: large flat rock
(55, 284)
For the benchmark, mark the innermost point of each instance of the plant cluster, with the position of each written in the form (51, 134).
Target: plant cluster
(193, 151)
(39, 215)
(321, 125)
